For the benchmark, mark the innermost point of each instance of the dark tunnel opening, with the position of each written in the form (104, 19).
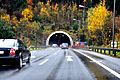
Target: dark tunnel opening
(58, 39)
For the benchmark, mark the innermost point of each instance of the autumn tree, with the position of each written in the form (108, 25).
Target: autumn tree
(96, 20)
(117, 33)
(4, 16)
(27, 13)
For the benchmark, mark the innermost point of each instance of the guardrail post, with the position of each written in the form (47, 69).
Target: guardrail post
(104, 51)
(114, 52)
(109, 52)
(92, 49)
(100, 50)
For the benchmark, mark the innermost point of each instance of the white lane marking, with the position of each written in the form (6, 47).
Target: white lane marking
(100, 64)
(98, 61)
(56, 52)
(33, 56)
(43, 62)
(69, 58)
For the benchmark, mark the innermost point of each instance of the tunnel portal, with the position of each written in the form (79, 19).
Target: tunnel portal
(59, 37)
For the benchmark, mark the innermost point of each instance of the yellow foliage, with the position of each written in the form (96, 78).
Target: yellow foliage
(23, 20)
(35, 26)
(56, 8)
(40, 3)
(36, 10)
(97, 17)
(74, 8)
(117, 37)
(44, 11)
(14, 21)
(5, 17)
(27, 14)
(84, 1)
(48, 4)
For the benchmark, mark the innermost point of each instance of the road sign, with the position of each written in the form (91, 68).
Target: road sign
(115, 44)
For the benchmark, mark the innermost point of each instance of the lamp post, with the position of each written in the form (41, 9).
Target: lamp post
(113, 30)
(84, 13)
(83, 19)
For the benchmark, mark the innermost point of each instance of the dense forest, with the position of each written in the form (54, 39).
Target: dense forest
(15, 5)
(33, 20)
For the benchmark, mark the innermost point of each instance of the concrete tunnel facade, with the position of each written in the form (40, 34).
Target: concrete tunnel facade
(59, 37)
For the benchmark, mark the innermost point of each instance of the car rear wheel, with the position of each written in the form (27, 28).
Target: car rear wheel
(20, 63)
(28, 61)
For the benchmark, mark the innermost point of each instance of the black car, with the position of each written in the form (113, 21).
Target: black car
(13, 52)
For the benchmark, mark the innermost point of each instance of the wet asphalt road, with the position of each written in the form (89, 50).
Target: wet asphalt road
(65, 64)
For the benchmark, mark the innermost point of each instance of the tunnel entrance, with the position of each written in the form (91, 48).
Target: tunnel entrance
(59, 37)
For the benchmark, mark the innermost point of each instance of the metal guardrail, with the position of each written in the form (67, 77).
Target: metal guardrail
(37, 48)
(103, 50)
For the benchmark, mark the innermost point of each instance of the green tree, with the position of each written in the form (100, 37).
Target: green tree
(75, 26)
(6, 30)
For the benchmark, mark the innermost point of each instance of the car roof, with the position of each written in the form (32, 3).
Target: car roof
(64, 43)
(12, 40)
(9, 40)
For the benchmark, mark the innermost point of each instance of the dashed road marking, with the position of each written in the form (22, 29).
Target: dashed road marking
(43, 62)
(56, 52)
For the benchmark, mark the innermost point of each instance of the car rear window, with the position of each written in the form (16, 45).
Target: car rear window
(65, 44)
(7, 43)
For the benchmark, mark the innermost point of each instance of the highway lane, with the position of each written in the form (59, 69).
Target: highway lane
(61, 64)
(7, 71)
(72, 68)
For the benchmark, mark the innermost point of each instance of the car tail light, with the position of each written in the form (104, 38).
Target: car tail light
(12, 52)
